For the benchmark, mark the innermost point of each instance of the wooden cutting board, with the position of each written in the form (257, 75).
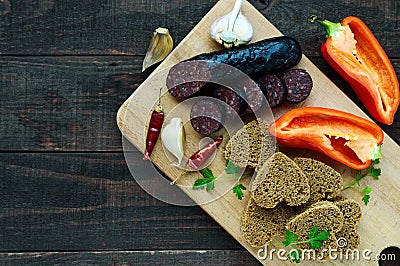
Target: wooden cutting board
(379, 227)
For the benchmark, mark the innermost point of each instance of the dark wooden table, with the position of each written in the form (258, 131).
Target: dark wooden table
(67, 195)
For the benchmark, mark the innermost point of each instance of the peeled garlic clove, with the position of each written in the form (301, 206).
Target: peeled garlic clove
(173, 137)
(160, 46)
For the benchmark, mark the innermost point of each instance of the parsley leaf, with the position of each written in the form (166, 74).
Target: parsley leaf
(315, 240)
(322, 236)
(376, 172)
(366, 199)
(207, 181)
(210, 186)
(313, 232)
(203, 182)
(238, 190)
(290, 238)
(206, 173)
(231, 168)
(370, 171)
(366, 196)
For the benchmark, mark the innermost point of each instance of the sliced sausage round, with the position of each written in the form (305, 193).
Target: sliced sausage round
(254, 96)
(298, 83)
(231, 98)
(206, 117)
(274, 90)
(185, 79)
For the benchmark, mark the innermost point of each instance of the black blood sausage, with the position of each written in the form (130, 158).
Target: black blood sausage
(274, 90)
(275, 54)
(298, 83)
(206, 117)
(186, 79)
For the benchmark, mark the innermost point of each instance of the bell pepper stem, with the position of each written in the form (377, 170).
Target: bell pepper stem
(331, 28)
(377, 153)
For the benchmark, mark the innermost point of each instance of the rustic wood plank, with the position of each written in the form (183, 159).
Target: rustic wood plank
(64, 103)
(70, 103)
(94, 26)
(125, 27)
(73, 201)
(167, 257)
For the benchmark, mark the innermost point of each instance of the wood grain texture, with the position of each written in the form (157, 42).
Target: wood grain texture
(64, 103)
(75, 201)
(132, 117)
(127, 258)
(125, 27)
(93, 26)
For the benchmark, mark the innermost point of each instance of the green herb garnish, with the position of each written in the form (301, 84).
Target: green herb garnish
(370, 171)
(315, 240)
(366, 196)
(208, 180)
(238, 190)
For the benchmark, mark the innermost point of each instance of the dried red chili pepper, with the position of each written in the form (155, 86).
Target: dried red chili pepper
(347, 138)
(198, 158)
(354, 52)
(156, 121)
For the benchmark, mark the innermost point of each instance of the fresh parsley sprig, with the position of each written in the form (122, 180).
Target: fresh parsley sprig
(315, 240)
(208, 180)
(231, 169)
(370, 171)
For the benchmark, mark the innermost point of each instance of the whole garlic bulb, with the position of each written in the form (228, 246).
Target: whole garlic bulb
(233, 29)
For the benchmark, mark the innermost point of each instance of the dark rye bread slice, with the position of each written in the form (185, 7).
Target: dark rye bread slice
(280, 180)
(260, 225)
(251, 145)
(326, 216)
(352, 214)
(325, 182)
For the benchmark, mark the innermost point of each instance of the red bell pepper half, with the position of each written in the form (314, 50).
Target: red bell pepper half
(347, 138)
(354, 52)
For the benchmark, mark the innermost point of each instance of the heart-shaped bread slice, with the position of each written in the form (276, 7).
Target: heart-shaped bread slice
(251, 145)
(280, 180)
(326, 216)
(325, 182)
(260, 225)
(348, 235)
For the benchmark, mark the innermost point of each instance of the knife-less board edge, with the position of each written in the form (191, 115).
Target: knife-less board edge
(378, 228)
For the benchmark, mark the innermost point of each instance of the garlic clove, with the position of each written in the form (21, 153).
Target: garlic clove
(173, 138)
(160, 46)
(243, 29)
(219, 26)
